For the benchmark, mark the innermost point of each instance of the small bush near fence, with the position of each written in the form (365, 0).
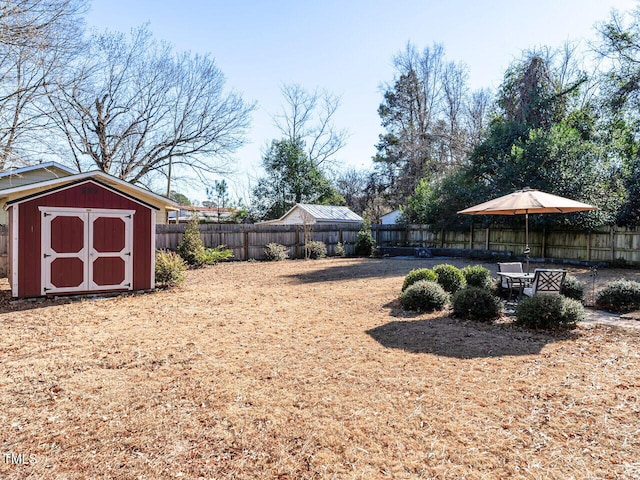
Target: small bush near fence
(170, 268)
(476, 303)
(211, 256)
(573, 288)
(424, 296)
(365, 244)
(478, 276)
(450, 277)
(549, 312)
(339, 250)
(191, 248)
(418, 274)
(275, 252)
(315, 249)
(620, 296)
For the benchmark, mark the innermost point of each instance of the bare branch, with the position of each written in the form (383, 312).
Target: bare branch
(37, 40)
(307, 118)
(136, 107)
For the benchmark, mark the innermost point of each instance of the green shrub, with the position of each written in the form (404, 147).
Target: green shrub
(620, 296)
(450, 277)
(170, 268)
(315, 249)
(365, 244)
(573, 288)
(191, 248)
(478, 276)
(549, 312)
(211, 256)
(476, 303)
(574, 312)
(339, 250)
(418, 274)
(275, 252)
(424, 296)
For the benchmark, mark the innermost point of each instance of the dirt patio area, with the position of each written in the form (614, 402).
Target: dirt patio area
(308, 369)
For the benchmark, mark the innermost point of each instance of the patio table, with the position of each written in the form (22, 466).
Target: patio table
(517, 278)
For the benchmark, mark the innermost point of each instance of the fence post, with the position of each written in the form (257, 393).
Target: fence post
(544, 242)
(613, 243)
(589, 247)
(246, 245)
(486, 239)
(471, 236)
(297, 242)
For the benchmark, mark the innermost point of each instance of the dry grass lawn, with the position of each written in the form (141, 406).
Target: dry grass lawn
(308, 369)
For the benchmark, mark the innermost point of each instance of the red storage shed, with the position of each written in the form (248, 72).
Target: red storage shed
(84, 233)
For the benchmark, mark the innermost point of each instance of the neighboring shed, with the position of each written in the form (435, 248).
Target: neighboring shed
(390, 218)
(83, 233)
(304, 213)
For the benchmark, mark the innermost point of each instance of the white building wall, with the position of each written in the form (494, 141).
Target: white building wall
(390, 218)
(297, 217)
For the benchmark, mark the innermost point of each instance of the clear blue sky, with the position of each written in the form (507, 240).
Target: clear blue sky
(346, 47)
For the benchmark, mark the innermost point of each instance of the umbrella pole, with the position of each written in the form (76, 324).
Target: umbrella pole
(527, 250)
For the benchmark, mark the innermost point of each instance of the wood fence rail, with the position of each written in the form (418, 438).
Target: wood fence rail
(614, 244)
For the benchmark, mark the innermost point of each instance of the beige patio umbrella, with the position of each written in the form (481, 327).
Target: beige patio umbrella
(524, 202)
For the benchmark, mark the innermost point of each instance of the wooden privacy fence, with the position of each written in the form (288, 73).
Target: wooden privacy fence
(614, 244)
(249, 241)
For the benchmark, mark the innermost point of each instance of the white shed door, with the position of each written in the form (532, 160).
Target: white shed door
(86, 250)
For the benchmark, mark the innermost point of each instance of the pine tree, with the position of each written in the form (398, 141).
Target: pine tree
(191, 248)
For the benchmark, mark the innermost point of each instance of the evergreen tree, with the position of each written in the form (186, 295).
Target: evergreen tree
(540, 139)
(291, 177)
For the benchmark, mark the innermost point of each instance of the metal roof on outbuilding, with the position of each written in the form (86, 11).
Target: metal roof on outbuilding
(331, 213)
(321, 214)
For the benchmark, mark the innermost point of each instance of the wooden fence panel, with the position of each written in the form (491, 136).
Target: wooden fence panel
(249, 241)
(603, 245)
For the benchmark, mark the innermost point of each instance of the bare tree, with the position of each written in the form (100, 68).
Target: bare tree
(307, 233)
(352, 185)
(477, 114)
(541, 87)
(38, 38)
(29, 22)
(138, 110)
(423, 113)
(308, 117)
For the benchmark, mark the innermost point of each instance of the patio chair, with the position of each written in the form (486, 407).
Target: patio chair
(509, 267)
(545, 281)
(509, 283)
